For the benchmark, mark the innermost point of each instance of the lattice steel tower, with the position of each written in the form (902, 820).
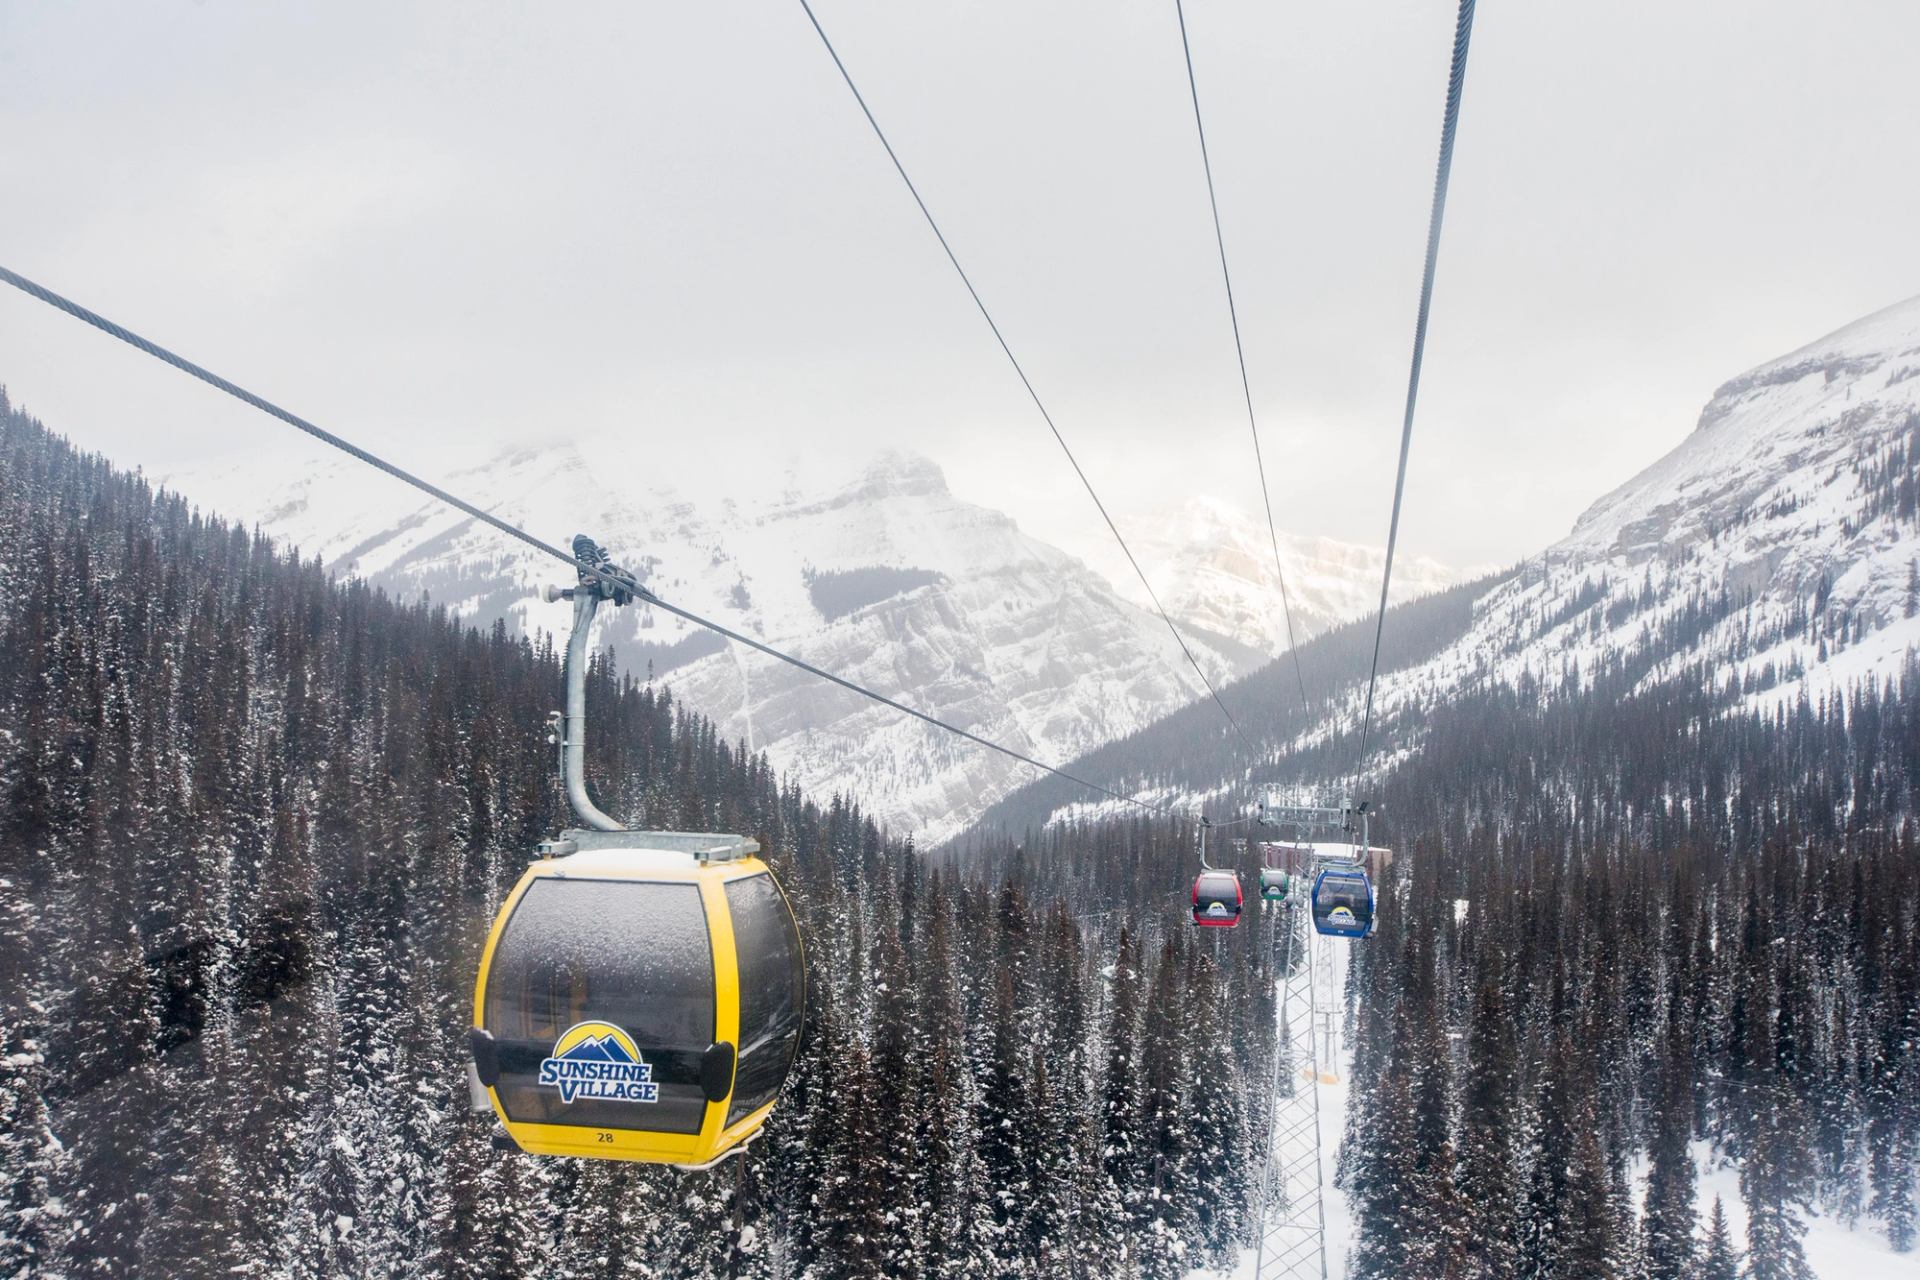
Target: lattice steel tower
(1293, 1223)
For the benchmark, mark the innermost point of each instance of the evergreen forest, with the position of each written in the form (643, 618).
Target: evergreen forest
(254, 823)
(253, 826)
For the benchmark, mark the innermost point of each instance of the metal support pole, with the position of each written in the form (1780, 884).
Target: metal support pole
(1293, 1227)
(1293, 1223)
(573, 733)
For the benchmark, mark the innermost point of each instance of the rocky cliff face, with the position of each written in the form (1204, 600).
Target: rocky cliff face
(1775, 551)
(883, 577)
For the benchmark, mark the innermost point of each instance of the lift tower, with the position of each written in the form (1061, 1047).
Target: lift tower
(1293, 1220)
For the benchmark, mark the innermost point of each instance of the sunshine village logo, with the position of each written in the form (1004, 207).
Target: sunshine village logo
(598, 1060)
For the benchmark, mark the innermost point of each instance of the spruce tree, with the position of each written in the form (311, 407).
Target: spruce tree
(1668, 1225)
(1893, 1190)
(1772, 1182)
(1216, 1107)
(1544, 1227)
(1437, 1216)
(33, 1223)
(1167, 1152)
(1719, 1259)
(1123, 1144)
(1385, 1178)
(1892, 1115)
(899, 1050)
(943, 1127)
(1590, 1248)
(1488, 1184)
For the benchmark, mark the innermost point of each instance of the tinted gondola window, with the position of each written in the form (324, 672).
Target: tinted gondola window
(1342, 893)
(772, 991)
(630, 954)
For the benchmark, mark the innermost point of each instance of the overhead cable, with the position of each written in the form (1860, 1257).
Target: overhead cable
(1246, 387)
(1456, 81)
(592, 569)
(986, 315)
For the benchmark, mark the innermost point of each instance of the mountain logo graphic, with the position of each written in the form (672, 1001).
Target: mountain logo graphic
(598, 1060)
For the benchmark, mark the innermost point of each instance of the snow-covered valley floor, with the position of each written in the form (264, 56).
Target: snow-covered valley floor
(1333, 1120)
(1835, 1250)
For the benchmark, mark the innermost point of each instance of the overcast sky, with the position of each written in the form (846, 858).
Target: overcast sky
(666, 229)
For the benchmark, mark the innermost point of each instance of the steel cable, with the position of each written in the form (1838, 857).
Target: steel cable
(590, 569)
(986, 315)
(1239, 351)
(1456, 82)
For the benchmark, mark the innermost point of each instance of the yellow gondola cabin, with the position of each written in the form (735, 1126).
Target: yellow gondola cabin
(640, 998)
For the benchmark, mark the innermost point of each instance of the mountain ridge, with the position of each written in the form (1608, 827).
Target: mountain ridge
(1772, 555)
(878, 573)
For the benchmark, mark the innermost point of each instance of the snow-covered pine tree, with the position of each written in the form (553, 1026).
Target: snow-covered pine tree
(1008, 1121)
(1490, 1111)
(1167, 1152)
(1544, 1227)
(1893, 1189)
(478, 1216)
(1216, 1109)
(898, 1055)
(1589, 1246)
(1123, 1201)
(1719, 1258)
(944, 1124)
(1773, 1181)
(1668, 1222)
(1438, 1215)
(1384, 1180)
(33, 1223)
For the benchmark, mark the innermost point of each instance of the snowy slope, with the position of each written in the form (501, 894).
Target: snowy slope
(1212, 565)
(1775, 551)
(1835, 1249)
(881, 576)
(1330, 1098)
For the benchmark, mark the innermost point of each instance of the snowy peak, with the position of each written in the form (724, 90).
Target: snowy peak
(1852, 351)
(1775, 551)
(1778, 479)
(1212, 564)
(897, 475)
(876, 573)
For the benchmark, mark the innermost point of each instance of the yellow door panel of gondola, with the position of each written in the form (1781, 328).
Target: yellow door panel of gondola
(639, 999)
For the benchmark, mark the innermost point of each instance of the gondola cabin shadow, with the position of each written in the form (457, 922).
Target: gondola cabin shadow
(639, 998)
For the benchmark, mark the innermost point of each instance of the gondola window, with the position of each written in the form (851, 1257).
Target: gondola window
(771, 991)
(632, 954)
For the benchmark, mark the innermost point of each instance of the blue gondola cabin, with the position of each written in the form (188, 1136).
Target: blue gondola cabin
(1343, 902)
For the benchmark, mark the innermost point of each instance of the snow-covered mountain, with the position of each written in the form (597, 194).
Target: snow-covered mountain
(1775, 551)
(884, 578)
(1211, 564)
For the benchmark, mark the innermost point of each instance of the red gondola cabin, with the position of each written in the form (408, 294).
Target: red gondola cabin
(1217, 899)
